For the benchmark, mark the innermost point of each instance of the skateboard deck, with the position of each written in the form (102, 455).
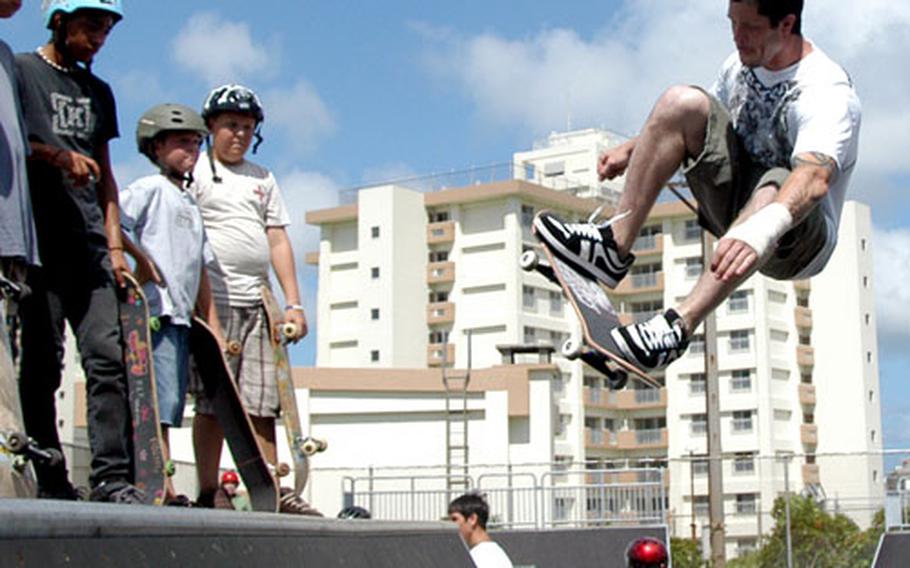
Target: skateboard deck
(238, 430)
(301, 447)
(596, 315)
(17, 479)
(150, 469)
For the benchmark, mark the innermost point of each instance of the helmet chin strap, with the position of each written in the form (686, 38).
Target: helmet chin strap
(184, 179)
(209, 152)
(258, 136)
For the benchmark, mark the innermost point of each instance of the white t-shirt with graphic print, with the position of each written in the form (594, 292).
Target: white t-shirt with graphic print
(236, 212)
(810, 106)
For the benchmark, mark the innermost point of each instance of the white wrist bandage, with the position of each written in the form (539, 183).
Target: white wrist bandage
(762, 230)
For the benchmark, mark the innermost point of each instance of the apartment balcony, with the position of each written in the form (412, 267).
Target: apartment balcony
(650, 245)
(805, 355)
(440, 272)
(803, 317)
(442, 232)
(811, 474)
(807, 394)
(808, 434)
(627, 399)
(651, 282)
(435, 352)
(440, 312)
(802, 285)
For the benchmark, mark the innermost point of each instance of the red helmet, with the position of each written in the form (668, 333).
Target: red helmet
(230, 477)
(647, 552)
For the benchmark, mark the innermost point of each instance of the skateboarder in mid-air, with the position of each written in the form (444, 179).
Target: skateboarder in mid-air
(70, 116)
(167, 226)
(245, 221)
(768, 152)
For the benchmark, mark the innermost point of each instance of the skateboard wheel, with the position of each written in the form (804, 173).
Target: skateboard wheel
(17, 442)
(572, 349)
(312, 446)
(528, 260)
(282, 470)
(234, 348)
(288, 330)
(169, 468)
(154, 323)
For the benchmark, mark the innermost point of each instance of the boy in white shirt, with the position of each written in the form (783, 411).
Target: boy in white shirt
(471, 512)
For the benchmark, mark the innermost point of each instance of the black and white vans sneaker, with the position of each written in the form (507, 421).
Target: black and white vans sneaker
(653, 344)
(588, 247)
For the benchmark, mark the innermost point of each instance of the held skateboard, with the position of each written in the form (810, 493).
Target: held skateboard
(597, 318)
(301, 447)
(17, 479)
(150, 469)
(238, 430)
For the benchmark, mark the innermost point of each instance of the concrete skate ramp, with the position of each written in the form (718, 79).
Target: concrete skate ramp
(54, 533)
(575, 548)
(893, 550)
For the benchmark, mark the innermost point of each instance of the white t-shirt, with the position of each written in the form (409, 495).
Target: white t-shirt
(810, 106)
(488, 554)
(236, 212)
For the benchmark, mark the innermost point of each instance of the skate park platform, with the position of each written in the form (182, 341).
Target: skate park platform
(893, 550)
(57, 533)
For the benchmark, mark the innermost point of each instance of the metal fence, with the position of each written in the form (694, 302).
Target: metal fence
(555, 498)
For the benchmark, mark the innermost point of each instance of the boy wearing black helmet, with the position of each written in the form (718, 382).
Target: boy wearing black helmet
(70, 117)
(245, 220)
(166, 225)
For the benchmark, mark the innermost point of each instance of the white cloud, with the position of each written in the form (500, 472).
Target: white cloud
(612, 78)
(306, 191)
(892, 295)
(222, 51)
(300, 114)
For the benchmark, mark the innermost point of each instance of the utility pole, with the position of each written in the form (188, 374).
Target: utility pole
(712, 409)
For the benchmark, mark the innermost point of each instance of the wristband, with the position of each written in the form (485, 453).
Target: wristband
(762, 230)
(295, 307)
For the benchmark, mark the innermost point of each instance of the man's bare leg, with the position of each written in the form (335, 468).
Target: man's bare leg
(710, 291)
(208, 437)
(265, 434)
(675, 129)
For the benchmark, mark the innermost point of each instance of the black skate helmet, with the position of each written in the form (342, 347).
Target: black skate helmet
(354, 512)
(647, 552)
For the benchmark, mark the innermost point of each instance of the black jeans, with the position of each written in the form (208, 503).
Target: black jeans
(86, 297)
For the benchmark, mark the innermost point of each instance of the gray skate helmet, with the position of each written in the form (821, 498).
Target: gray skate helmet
(168, 117)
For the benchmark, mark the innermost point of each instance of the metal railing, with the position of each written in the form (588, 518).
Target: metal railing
(555, 498)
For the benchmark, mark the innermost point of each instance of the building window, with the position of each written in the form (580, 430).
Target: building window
(777, 297)
(374, 356)
(744, 464)
(699, 468)
(527, 297)
(645, 276)
(527, 216)
(647, 238)
(374, 314)
(439, 216)
(745, 546)
(739, 340)
(745, 504)
(692, 231)
(439, 255)
(741, 380)
(699, 425)
(738, 302)
(556, 303)
(742, 420)
(530, 335)
(374, 232)
(374, 272)
(694, 267)
(701, 505)
(697, 383)
(439, 296)
(437, 337)
(697, 345)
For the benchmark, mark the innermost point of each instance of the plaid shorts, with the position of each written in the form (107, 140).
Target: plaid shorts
(253, 366)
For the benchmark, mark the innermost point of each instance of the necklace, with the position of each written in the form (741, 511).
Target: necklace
(51, 62)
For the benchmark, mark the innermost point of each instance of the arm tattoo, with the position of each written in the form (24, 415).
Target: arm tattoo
(815, 159)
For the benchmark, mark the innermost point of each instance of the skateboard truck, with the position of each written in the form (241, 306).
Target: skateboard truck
(22, 446)
(573, 349)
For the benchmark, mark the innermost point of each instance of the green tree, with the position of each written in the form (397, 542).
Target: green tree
(686, 553)
(820, 540)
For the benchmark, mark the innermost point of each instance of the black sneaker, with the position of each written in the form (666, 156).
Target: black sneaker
(293, 504)
(653, 344)
(588, 247)
(63, 493)
(118, 491)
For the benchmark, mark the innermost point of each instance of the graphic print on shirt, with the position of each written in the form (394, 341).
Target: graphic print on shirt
(72, 116)
(761, 117)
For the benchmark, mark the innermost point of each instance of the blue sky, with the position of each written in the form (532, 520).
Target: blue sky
(357, 92)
